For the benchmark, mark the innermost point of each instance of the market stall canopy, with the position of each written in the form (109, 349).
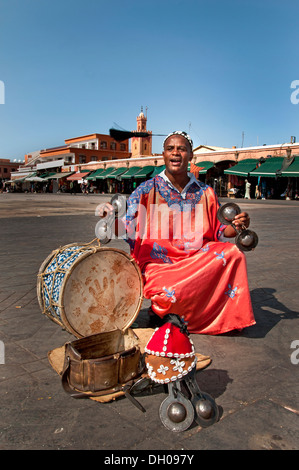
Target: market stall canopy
(204, 167)
(144, 172)
(77, 176)
(131, 172)
(105, 174)
(27, 177)
(93, 176)
(243, 168)
(58, 176)
(16, 180)
(269, 168)
(39, 179)
(19, 177)
(117, 172)
(293, 168)
(157, 170)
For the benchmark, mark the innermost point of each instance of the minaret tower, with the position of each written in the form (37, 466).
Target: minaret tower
(141, 146)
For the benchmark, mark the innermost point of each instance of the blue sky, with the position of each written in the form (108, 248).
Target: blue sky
(215, 67)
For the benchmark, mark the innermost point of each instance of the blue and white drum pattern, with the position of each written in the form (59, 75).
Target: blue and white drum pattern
(53, 276)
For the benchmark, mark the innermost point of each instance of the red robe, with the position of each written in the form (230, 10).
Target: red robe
(174, 238)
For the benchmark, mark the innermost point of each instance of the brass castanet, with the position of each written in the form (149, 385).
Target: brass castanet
(246, 240)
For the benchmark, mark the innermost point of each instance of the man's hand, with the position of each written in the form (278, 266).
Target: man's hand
(240, 221)
(105, 210)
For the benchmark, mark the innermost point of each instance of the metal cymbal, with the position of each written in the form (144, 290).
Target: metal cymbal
(118, 201)
(176, 411)
(205, 407)
(206, 410)
(228, 212)
(103, 231)
(247, 240)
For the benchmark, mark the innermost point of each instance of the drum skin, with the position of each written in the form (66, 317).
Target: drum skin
(89, 289)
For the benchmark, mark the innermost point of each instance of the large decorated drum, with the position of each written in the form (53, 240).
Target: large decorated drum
(88, 289)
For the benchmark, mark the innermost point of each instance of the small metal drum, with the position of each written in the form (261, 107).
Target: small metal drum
(88, 289)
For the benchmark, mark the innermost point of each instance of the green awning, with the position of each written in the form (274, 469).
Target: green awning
(17, 180)
(105, 173)
(130, 173)
(204, 166)
(93, 176)
(41, 178)
(243, 168)
(31, 175)
(269, 167)
(293, 169)
(59, 175)
(144, 172)
(22, 178)
(157, 170)
(117, 172)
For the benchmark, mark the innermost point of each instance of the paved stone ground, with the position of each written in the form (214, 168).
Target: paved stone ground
(252, 377)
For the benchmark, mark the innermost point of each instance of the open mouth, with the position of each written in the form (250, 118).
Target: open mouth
(175, 161)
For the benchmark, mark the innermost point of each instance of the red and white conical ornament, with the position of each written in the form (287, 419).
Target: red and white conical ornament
(170, 354)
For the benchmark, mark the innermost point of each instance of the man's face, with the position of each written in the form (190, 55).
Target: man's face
(177, 155)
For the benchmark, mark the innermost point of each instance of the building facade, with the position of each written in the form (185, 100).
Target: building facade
(84, 149)
(6, 168)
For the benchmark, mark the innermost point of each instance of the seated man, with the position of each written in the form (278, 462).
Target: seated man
(175, 237)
